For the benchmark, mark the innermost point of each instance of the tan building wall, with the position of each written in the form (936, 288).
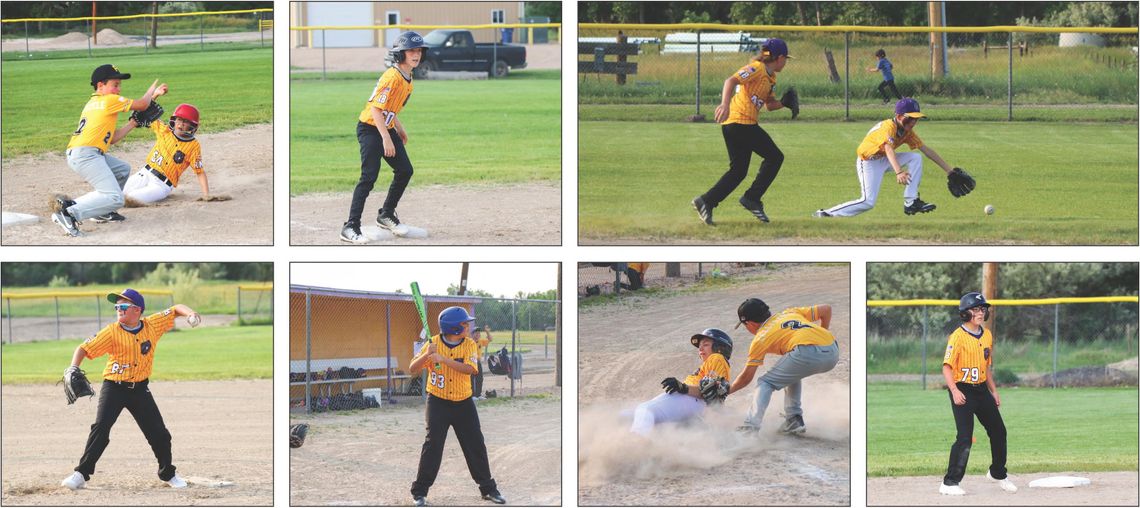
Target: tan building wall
(421, 13)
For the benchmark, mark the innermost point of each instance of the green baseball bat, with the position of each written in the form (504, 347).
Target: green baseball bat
(422, 309)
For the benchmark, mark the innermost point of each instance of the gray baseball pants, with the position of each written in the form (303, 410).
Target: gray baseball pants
(105, 173)
(801, 362)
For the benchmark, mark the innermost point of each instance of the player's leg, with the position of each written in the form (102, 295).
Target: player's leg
(119, 168)
(371, 151)
(92, 165)
(762, 144)
(990, 418)
(142, 406)
(803, 361)
(438, 417)
(401, 173)
(894, 90)
(470, 436)
(739, 157)
(145, 188)
(870, 174)
(111, 404)
(667, 407)
(912, 161)
(883, 92)
(960, 451)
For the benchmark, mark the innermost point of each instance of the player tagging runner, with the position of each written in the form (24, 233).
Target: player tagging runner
(682, 399)
(968, 368)
(175, 149)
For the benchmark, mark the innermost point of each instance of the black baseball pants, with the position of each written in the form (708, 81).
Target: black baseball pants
(980, 403)
(371, 152)
(440, 415)
(477, 379)
(883, 90)
(136, 398)
(742, 141)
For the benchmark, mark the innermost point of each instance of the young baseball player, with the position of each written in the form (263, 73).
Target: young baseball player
(87, 151)
(381, 134)
(884, 66)
(877, 154)
(131, 342)
(451, 358)
(806, 349)
(745, 92)
(682, 400)
(175, 149)
(968, 368)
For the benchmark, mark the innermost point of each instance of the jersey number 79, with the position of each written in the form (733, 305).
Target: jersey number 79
(970, 375)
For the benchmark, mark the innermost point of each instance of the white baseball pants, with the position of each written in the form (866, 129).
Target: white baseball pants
(870, 174)
(667, 407)
(146, 188)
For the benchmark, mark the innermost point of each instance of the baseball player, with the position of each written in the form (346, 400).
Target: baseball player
(682, 400)
(745, 92)
(451, 359)
(131, 342)
(381, 134)
(968, 368)
(175, 149)
(807, 349)
(887, 69)
(877, 154)
(87, 151)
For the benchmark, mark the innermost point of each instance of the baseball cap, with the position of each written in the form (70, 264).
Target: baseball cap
(909, 107)
(105, 72)
(753, 309)
(129, 294)
(775, 47)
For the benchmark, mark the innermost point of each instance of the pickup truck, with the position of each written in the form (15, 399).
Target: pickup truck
(456, 50)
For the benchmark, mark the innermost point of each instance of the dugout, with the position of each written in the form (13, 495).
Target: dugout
(352, 340)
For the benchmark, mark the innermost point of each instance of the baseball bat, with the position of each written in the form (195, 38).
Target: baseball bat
(422, 309)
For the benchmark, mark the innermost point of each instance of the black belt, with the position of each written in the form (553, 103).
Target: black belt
(161, 177)
(130, 385)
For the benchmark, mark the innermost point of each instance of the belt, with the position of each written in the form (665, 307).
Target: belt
(158, 174)
(130, 385)
(100, 150)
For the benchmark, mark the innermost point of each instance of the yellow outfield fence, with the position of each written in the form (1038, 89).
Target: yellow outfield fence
(1005, 302)
(138, 16)
(54, 315)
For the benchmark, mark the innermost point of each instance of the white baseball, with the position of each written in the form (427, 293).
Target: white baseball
(989, 209)
(194, 320)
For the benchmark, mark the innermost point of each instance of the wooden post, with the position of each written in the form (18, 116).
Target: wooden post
(672, 269)
(94, 38)
(154, 25)
(990, 288)
(831, 66)
(621, 39)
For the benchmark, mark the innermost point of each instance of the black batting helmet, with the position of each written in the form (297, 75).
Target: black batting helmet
(969, 301)
(407, 40)
(722, 343)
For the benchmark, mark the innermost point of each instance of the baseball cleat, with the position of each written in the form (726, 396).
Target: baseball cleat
(176, 482)
(703, 210)
(756, 207)
(387, 219)
(918, 206)
(495, 497)
(820, 214)
(110, 217)
(748, 429)
(75, 481)
(60, 215)
(1004, 483)
(351, 233)
(793, 425)
(951, 490)
(419, 501)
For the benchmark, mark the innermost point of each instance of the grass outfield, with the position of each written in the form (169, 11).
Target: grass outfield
(899, 356)
(183, 355)
(43, 99)
(636, 180)
(909, 431)
(459, 132)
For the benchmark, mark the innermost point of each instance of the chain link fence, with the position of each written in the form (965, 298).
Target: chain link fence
(351, 349)
(29, 317)
(255, 304)
(613, 278)
(1062, 342)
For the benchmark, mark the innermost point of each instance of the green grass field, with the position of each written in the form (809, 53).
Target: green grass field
(459, 132)
(43, 99)
(1051, 183)
(207, 297)
(182, 355)
(909, 431)
(898, 356)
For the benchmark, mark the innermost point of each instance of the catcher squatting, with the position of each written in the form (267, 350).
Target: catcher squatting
(807, 348)
(132, 343)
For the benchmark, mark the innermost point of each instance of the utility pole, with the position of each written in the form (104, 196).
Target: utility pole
(990, 288)
(937, 49)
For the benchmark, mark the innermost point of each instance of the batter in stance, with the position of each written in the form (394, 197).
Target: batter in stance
(968, 368)
(451, 358)
(745, 92)
(682, 400)
(381, 134)
(131, 343)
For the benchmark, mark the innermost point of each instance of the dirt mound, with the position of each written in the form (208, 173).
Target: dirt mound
(109, 37)
(1085, 377)
(1129, 365)
(70, 38)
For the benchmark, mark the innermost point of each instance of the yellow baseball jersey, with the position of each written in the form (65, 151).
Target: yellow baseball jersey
(171, 156)
(885, 132)
(755, 87)
(969, 355)
(390, 96)
(782, 332)
(713, 366)
(132, 354)
(482, 343)
(97, 123)
(445, 382)
(639, 267)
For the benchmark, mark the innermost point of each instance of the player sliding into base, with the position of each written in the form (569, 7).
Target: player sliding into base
(684, 400)
(968, 368)
(175, 149)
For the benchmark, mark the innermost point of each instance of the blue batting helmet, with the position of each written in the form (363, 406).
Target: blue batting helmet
(722, 343)
(452, 318)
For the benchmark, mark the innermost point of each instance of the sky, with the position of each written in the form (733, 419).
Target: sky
(499, 279)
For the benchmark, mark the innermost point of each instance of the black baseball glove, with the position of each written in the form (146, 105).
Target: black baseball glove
(673, 385)
(147, 116)
(791, 100)
(714, 390)
(75, 384)
(297, 435)
(960, 182)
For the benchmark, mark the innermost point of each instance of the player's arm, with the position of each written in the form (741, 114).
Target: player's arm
(122, 132)
(948, 374)
(902, 177)
(721, 113)
(460, 367)
(155, 90)
(204, 184)
(379, 120)
(932, 155)
(824, 312)
(79, 355)
(743, 379)
(182, 310)
(400, 130)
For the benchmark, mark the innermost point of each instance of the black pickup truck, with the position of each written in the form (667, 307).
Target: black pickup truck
(456, 50)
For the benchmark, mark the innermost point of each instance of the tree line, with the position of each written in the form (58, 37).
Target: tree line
(78, 274)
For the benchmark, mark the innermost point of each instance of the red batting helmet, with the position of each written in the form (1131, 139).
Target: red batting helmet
(186, 112)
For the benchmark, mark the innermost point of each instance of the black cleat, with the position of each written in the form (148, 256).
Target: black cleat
(918, 206)
(756, 207)
(351, 233)
(793, 425)
(419, 501)
(495, 497)
(387, 219)
(703, 210)
(109, 217)
(60, 215)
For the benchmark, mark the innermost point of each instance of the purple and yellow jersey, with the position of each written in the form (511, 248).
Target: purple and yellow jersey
(782, 332)
(445, 382)
(755, 87)
(969, 355)
(884, 132)
(390, 96)
(97, 123)
(132, 354)
(171, 156)
(714, 366)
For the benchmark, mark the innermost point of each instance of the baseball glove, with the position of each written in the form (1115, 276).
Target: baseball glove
(297, 435)
(960, 182)
(714, 390)
(791, 100)
(75, 384)
(674, 385)
(215, 197)
(147, 116)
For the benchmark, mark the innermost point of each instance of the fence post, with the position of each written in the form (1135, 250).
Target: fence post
(514, 337)
(700, 270)
(98, 314)
(202, 32)
(1056, 341)
(9, 301)
(308, 350)
(260, 31)
(698, 91)
(924, 334)
(58, 333)
(1009, 79)
(494, 53)
(388, 347)
(27, 47)
(324, 42)
(545, 342)
(847, 76)
(239, 304)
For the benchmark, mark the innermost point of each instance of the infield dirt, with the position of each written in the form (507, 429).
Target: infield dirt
(1106, 489)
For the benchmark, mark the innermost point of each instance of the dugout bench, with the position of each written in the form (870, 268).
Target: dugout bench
(325, 387)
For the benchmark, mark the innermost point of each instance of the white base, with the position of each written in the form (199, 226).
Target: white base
(1059, 482)
(15, 219)
(207, 482)
(376, 233)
